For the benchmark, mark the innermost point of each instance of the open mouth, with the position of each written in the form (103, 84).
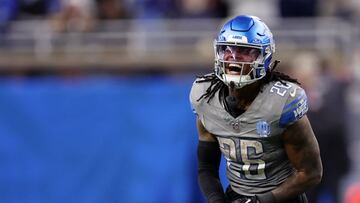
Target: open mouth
(234, 69)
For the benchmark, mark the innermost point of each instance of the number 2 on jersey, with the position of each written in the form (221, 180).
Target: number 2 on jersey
(280, 88)
(228, 147)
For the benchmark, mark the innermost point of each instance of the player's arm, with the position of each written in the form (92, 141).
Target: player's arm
(303, 152)
(209, 156)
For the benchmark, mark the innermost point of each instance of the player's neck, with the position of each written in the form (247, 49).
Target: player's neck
(245, 95)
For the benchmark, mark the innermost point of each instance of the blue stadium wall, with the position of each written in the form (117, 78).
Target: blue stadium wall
(97, 140)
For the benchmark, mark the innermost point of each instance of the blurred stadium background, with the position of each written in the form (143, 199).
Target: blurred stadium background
(94, 94)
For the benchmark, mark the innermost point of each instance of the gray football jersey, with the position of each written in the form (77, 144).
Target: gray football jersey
(251, 143)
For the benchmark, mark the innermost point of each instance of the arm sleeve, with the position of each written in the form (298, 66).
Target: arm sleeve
(209, 157)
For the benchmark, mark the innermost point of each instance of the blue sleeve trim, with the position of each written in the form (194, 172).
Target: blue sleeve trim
(193, 110)
(192, 107)
(295, 101)
(294, 111)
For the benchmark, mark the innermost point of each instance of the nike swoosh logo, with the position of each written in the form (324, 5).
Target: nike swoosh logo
(293, 93)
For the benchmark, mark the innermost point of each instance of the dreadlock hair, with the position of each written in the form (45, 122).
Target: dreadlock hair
(217, 85)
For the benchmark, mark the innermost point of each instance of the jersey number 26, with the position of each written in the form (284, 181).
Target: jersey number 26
(239, 160)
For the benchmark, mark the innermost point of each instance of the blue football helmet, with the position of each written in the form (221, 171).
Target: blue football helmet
(247, 35)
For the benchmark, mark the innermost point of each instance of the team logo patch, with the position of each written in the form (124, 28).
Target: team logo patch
(263, 128)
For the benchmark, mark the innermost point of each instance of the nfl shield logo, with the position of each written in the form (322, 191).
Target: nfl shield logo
(263, 128)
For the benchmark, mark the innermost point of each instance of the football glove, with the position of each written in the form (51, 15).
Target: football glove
(246, 200)
(261, 198)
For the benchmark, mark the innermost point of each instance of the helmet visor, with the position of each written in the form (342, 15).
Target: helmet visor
(236, 53)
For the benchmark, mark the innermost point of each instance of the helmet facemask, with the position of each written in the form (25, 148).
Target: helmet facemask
(240, 64)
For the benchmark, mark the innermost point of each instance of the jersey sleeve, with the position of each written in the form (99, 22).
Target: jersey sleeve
(296, 106)
(195, 94)
(192, 99)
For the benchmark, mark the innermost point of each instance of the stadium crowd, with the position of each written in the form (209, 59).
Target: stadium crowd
(66, 12)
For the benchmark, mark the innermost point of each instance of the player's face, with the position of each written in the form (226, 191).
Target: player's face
(239, 54)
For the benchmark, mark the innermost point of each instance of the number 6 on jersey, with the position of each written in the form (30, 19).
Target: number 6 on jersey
(245, 152)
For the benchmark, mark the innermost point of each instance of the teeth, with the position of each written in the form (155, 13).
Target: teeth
(234, 65)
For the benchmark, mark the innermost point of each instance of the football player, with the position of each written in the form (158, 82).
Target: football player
(256, 117)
